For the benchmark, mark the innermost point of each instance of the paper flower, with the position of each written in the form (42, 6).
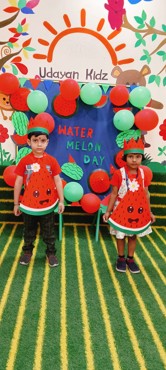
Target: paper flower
(133, 185)
(35, 167)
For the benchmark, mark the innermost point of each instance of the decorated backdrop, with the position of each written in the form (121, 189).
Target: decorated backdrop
(100, 45)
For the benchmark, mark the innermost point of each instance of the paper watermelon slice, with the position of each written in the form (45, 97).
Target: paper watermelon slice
(132, 215)
(40, 196)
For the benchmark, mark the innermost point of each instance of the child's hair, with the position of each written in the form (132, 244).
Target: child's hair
(125, 155)
(36, 134)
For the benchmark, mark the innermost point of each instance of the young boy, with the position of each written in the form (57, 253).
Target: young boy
(39, 173)
(129, 205)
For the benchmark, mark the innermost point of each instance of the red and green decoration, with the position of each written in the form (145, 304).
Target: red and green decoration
(72, 170)
(38, 199)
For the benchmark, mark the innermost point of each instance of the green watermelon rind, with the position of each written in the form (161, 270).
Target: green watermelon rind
(37, 211)
(128, 230)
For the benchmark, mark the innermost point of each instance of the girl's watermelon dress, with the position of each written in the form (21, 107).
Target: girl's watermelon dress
(131, 213)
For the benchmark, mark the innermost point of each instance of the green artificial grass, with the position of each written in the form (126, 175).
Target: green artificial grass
(82, 314)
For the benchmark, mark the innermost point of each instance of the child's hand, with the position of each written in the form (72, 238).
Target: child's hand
(61, 207)
(106, 216)
(153, 219)
(16, 210)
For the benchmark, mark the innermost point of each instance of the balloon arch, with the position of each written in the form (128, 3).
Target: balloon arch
(87, 123)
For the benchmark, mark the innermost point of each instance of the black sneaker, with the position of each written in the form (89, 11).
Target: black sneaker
(132, 266)
(121, 264)
(52, 260)
(25, 258)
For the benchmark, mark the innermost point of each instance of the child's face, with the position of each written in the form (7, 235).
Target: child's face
(133, 160)
(38, 144)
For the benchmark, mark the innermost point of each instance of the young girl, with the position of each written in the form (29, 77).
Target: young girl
(128, 210)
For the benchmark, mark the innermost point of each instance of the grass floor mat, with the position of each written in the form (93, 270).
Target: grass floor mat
(83, 314)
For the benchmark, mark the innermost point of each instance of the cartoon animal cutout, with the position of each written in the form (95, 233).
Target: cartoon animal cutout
(134, 77)
(5, 106)
(115, 13)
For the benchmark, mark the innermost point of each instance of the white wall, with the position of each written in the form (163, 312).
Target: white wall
(82, 48)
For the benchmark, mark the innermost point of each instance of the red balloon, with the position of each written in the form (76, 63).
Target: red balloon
(9, 175)
(70, 89)
(45, 119)
(148, 172)
(8, 83)
(90, 203)
(64, 182)
(18, 99)
(99, 181)
(146, 119)
(119, 95)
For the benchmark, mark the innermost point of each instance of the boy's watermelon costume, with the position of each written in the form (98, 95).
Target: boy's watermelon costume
(131, 214)
(40, 196)
(39, 175)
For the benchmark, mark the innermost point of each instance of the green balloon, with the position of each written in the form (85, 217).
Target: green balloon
(140, 96)
(73, 191)
(90, 93)
(123, 120)
(37, 101)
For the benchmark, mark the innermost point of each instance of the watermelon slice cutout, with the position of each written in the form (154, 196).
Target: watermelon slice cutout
(132, 215)
(40, 196)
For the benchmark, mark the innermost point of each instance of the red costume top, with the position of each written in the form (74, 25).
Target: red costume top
(40, 196)
(131, 213)
(117, 178)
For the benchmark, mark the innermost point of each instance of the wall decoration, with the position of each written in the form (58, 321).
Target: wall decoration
(137, 1)
(146, 29)
(72, 170)
(18, 99)
(63, 107)
(85, 30)
(129, 53)
(162, 131)
(115, 13)
(5, 106)
(3, 137)
(17, 34)
(90, 138)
